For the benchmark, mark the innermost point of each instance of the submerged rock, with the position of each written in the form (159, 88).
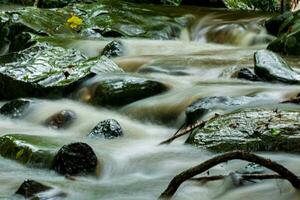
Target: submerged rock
(250, 130)
(202, 106)
(163, 70)
(113, 49)
(47, 71)
(28, 150)
(17, 108)
(122, 90)
(107, 129)
(62, 119)
(271, 67)
(75, 159)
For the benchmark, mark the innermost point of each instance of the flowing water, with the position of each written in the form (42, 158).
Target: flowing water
(198, 64)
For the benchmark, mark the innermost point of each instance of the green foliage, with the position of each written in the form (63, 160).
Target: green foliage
(264, 5)
(171, 2)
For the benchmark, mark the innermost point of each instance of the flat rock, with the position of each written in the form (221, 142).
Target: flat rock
(47, 71)
(250, 130)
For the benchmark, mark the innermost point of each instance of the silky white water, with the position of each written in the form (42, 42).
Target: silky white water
(135, 167)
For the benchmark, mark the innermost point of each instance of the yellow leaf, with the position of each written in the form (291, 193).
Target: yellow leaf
(19, 154)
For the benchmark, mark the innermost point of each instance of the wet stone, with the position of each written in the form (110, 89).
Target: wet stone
(30, 188)
(271, 67)
(107, 129)
(113, 49)
(62, 119)
(250, 130)
(17, 108)
(75, 159)
(122, 90)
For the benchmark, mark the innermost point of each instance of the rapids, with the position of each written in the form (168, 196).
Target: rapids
(135, 167)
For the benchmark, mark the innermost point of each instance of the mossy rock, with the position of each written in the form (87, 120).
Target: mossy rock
(106, 18)
(287, 28)
(33, 151)
(250, 130)
(47, 71)
(119, 90)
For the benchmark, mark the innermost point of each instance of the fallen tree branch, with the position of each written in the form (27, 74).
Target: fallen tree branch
(243, 176)
(185, 131)
(241, 155)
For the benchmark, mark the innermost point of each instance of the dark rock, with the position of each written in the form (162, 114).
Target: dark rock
(122, 90)
(113, 49)
(250, 130)
(33, 151)
(62, 119)
(271, 67)
(30, 188)
(47, 71)
(108, 129)
(273, 25)
(202, 106)
(17, 108)
(75, 159)
(247, 74)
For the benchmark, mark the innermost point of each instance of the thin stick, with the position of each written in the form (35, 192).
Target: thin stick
(241, 155)
(187, 130)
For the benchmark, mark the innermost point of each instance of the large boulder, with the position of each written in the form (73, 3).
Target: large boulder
(47, 71)
(250, 130)
(119, 90)
(271, 67)
(107, 129)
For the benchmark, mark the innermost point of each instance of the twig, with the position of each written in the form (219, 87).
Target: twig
(241, 155)
(183, 132)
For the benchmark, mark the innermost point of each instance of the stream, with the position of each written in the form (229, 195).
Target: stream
(135, 167)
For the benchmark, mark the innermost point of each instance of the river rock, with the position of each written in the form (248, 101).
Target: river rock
(121, 90)
(33, 151)
(202, 106)
(17, 108)
(250, 130)
(62, 119)
(75, 159)
(108, 129)
(47, 71)
(30, 188)
(273, 25)
(271, 67)
(113, 49)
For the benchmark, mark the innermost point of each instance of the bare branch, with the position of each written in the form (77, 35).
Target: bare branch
(241, 155)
